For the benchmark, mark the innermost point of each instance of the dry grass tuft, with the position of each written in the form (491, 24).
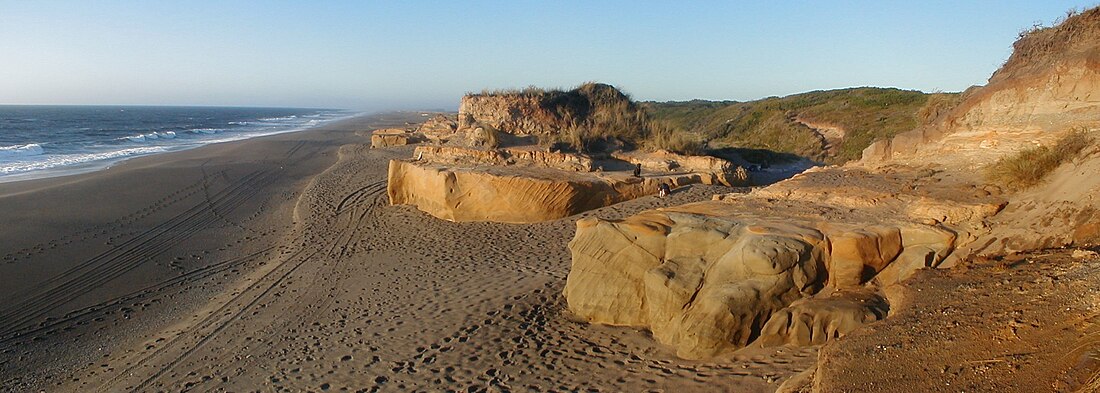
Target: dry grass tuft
(663, 136)
(1041, 44)
(1029, 167)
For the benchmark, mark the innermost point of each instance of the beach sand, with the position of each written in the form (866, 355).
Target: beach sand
(276, 264)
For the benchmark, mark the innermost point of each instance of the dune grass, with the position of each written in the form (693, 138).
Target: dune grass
(1029, 167)
(664, 136)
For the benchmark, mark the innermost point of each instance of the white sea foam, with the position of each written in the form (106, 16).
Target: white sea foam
(25, 161)
(283, 118)
(20, 151)
(150, 136)
(58, 160)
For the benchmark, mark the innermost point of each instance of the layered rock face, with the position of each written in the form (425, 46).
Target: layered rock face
(509, 156)
(516, 194)
(513, 114)
(521, 185)
(726, 172)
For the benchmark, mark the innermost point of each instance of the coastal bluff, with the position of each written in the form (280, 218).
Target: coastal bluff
(536, 155)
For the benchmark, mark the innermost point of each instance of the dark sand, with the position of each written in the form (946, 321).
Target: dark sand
(276, 264)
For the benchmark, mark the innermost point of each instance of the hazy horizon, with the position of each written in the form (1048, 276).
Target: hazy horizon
(394, 56)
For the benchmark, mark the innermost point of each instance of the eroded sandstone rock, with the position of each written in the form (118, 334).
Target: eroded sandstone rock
(726, 172)
(706, 277)
(515, 194)
(825, 317)
(450, 155)
(439, 128)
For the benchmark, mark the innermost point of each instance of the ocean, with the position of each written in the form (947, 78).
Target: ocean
(42, 141)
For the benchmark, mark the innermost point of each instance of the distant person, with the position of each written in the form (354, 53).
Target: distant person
(663, 190)
(638, 170)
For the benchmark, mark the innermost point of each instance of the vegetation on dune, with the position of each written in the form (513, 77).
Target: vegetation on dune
(598, 117)
(1029, 167)
(1040, 44)
(937, 106)
(663, 136)
(866, 114)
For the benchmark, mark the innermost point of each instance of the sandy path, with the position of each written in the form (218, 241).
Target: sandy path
(344, 292)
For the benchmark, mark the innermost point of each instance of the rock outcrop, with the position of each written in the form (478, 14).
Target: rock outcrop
(593, 108)
(450, 155)
(788, 264)
(439, 128)
(526, 184)
(705, 277)
(516, 194)
(726, 172)
(513, 114)
(393, 137)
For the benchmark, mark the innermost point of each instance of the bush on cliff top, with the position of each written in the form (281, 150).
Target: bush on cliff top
(1041, 44)
(1029, 167)
(589, 117)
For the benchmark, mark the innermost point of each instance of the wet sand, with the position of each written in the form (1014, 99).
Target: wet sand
(276, 264)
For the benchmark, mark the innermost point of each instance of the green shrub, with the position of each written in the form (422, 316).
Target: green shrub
(866, 114)
(1029, 167)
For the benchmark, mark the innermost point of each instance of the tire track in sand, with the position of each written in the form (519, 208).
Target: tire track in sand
(193, 337)
(115, 262)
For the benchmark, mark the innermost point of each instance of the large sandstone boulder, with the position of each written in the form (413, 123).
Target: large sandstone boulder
(707, 277)
(700, 284)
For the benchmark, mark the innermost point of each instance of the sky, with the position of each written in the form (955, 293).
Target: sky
(386, 55)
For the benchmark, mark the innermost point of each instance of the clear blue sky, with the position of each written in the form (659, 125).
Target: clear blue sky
(380, 55)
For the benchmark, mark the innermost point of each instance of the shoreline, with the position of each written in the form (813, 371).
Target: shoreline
(102, 164)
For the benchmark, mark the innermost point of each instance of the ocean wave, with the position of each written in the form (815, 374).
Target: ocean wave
(205, 131)
(150, 136)
(281, 118)
(19, 151)
(58, 160)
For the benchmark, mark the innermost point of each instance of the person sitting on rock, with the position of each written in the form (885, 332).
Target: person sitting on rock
(663, 190)
(638, 171)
